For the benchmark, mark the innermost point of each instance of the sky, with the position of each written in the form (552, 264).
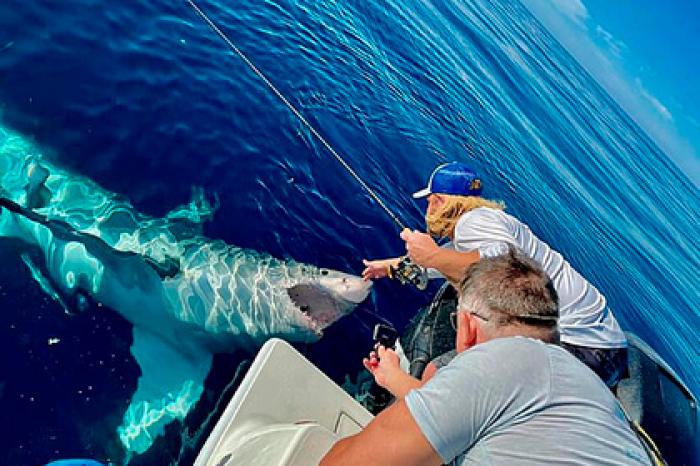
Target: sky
(646, 55)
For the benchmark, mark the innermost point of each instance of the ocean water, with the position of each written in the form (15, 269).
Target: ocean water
(143, 99)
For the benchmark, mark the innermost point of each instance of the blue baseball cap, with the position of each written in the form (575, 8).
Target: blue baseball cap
(452, 178)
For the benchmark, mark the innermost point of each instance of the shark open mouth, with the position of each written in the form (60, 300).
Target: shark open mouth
(318, 308)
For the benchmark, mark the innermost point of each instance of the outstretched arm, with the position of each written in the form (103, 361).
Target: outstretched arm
(392, 438)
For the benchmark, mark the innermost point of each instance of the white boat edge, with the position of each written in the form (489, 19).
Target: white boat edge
(285, 412)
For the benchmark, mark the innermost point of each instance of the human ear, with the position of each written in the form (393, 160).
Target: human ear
(471, 329)
(466, 331)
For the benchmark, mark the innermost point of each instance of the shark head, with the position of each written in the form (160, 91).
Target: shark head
(324, 296)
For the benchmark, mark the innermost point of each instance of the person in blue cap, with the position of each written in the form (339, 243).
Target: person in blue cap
(479, 228)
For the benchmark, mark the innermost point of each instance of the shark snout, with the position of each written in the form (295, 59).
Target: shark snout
(346, 287)
(350, 288)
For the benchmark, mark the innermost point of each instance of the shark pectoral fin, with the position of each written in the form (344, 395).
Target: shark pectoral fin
(171, 383)
(44, 282)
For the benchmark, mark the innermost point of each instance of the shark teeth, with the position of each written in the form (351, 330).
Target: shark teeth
(314, 325)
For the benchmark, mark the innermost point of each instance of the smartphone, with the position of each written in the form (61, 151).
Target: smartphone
(385, 335)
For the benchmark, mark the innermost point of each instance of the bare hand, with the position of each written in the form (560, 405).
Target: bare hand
(377, 269)
(383, 364)
(421, 247)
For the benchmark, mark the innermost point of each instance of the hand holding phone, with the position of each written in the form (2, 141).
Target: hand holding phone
(385, 336)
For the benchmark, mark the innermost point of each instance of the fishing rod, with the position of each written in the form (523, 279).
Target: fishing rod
(406, 271)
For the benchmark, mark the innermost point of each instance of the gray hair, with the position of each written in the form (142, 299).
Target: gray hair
(510, 289)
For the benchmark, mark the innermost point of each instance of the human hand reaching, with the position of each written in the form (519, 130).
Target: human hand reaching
(377, 268)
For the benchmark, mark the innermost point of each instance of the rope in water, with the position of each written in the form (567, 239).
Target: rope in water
(296, 112)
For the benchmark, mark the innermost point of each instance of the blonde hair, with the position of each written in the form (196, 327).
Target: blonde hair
(442, 221)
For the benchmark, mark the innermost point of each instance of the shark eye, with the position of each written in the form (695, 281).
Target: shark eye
(324, 272)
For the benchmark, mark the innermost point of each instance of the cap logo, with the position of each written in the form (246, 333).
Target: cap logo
(475, 184)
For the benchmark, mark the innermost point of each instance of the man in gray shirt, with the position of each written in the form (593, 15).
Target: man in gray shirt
(508, 398)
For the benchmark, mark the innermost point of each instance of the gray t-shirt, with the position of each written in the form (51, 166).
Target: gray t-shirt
(520, 401)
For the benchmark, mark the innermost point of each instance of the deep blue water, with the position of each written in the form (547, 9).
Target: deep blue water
(142, 98)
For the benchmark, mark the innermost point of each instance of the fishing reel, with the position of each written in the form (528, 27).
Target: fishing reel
(408, 272)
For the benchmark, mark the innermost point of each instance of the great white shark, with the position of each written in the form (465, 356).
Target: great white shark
(188, 297)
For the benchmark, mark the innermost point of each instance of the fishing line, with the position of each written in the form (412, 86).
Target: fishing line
(406, 271)
(296, 112)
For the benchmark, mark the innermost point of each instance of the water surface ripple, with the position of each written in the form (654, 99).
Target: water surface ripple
(143, 99)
